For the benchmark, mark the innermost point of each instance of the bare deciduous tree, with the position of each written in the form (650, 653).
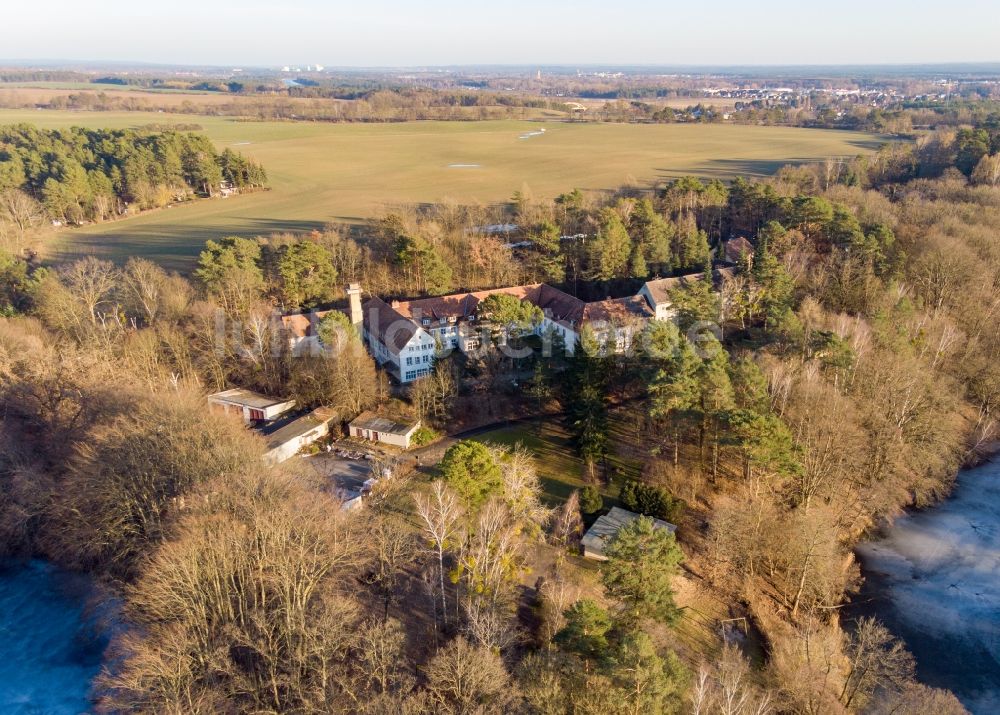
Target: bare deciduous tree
(567, 525)
(877, 660)
(726, 688)
(467, 680)
(24, 214)
(440, 513)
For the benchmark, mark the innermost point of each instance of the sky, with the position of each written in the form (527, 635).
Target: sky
(399, 33)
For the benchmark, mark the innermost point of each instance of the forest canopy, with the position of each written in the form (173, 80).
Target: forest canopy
(94, 174)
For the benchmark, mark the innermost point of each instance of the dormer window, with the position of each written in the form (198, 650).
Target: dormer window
(425, 322)
(452, 319)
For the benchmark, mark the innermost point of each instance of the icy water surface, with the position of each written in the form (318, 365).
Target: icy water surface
(934, 580)
(50, 645)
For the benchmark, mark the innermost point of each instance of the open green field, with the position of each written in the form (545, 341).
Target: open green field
(323, 173)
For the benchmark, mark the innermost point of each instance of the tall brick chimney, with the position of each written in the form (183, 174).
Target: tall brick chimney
(354, 297)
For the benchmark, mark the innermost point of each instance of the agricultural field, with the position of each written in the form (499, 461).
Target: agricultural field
(322, 173)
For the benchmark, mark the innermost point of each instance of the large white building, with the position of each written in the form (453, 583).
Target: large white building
(657, 292)
(404, 337)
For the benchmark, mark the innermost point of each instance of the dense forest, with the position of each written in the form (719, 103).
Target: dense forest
(95, 174)
(853, 371)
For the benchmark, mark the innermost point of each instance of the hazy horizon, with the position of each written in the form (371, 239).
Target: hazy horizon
(441, 33)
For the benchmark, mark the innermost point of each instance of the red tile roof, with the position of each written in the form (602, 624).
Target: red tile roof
(617, 310)
(395, 324)
(388, 324)
(556, 304)
(735, 249)
(300, 325)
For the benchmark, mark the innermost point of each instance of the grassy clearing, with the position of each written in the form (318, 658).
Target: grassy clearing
(323, 173)
(559, 469)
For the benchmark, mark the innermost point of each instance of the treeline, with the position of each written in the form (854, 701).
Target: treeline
(94, 174)
(298, 104)
(38, 75)
(590, 244)
(100, 423)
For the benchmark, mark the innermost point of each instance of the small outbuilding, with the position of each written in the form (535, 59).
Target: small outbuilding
(738, 251)
(286, 437)
(606, 527)
(371, 427)
(253, 407)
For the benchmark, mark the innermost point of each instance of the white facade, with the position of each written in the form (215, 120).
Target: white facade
(286, 442)
(252, 407)
(555, 327)
(383, 430)
(663, 310)
(405, 337)
(414, 360)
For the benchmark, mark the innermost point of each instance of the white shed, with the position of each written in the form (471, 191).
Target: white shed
(253, 407)
(607, 526)
(380, 429)
(287, 437)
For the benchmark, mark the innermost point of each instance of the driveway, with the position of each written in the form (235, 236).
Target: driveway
(345, 474)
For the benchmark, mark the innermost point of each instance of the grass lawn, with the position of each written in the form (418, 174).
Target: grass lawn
(559, 469)
(323, 173)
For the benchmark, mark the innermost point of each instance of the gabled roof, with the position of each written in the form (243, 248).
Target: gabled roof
(735, 249)
(604, 529)
(301, 325)
(388, 325)
(617, 310)
(660, 288)
(557, 305)
(395, 324)
(560, 305)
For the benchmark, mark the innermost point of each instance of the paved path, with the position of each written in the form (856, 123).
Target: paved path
(345, 473)
(433, 453)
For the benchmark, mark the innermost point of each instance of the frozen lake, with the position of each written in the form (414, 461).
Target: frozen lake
(934, 580)
(50, 646)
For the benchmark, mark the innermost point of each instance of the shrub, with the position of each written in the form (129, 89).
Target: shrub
(591, 500)
(650, 500)
(470, 470)
(423, 436)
